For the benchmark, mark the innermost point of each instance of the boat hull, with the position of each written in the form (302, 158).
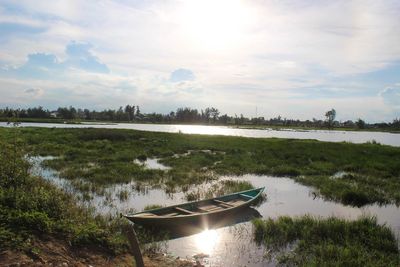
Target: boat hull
(202, 220)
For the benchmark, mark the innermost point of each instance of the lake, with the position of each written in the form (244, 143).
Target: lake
(392, 139)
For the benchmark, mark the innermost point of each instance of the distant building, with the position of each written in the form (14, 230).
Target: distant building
(54, 114)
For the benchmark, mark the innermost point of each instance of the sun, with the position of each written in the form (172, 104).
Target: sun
(215, 24)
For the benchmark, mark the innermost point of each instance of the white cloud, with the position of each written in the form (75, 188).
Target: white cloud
(391, 96)
(251, 52)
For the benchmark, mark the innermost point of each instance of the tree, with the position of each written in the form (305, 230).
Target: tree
(224, 119)
(206, 115)
(88, 116)
(130, 112)
(330, 117)
(214, 112)
(360, 124)
(138, 114)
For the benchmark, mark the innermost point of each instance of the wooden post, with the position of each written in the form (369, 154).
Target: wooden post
(134, 243)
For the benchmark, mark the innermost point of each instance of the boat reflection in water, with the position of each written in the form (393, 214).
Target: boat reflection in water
(206, 230)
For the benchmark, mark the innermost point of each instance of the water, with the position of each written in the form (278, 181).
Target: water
(152, 164)
(385, 138)
(233, 245)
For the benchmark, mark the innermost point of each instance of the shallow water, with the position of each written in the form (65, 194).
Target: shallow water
(385, 138)
(233, 245)
(152, 164)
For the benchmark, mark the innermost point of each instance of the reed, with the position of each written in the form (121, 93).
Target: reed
(327, 242)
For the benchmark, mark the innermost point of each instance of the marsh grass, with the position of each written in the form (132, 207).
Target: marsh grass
(152, 241)
(219, 188)
(105, 156)
(328, 242)
(34, 208)
(152, 207)
(123, 195)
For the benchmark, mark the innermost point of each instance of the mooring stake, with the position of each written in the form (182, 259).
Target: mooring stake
(134, 243)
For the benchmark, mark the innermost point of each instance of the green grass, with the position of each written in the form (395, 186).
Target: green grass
(328, 242)
(219, 188)
(32, 208)
(152, 207)
(105, 156)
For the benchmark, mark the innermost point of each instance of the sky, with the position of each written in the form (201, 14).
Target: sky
(296, 59)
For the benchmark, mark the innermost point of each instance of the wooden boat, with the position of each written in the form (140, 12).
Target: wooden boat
(203, 212)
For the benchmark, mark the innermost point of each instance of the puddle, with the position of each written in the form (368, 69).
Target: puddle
(232, 245)
(152, 164)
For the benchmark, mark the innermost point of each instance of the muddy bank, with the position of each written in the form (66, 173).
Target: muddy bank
(55, 252)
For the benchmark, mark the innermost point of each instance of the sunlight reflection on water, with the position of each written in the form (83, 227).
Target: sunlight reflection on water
(206, 241)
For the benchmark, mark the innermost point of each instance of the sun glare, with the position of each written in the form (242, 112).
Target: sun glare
(215, 24)
(206, 241)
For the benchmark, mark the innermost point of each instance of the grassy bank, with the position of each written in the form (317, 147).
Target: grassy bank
(41, 224)
(308, 241)
(31, 209)
(105, 156)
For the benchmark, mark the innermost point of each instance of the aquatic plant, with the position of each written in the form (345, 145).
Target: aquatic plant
(327, 242)
(219, 188)
(152, 206)
(123, 195)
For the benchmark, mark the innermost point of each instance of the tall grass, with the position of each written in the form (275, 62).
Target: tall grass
(328, 242)
(32, 208)
(219, 188)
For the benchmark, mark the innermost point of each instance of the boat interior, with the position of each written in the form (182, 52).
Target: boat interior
(200, 207)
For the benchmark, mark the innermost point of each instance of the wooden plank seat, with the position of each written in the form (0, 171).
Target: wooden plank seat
(223, 203)
(184, 210)
(209, 209)
(148, 214)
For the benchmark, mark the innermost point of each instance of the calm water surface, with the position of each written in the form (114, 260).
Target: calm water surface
(391, 139)
(233, 245)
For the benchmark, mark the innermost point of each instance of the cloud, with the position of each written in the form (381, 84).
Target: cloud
(10, 29)
(272, 54)
(80, 56)
(391, 96)
(34, 92)
(48, 66)
(181, 75)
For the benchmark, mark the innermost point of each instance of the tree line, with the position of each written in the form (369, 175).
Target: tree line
(209, 115)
